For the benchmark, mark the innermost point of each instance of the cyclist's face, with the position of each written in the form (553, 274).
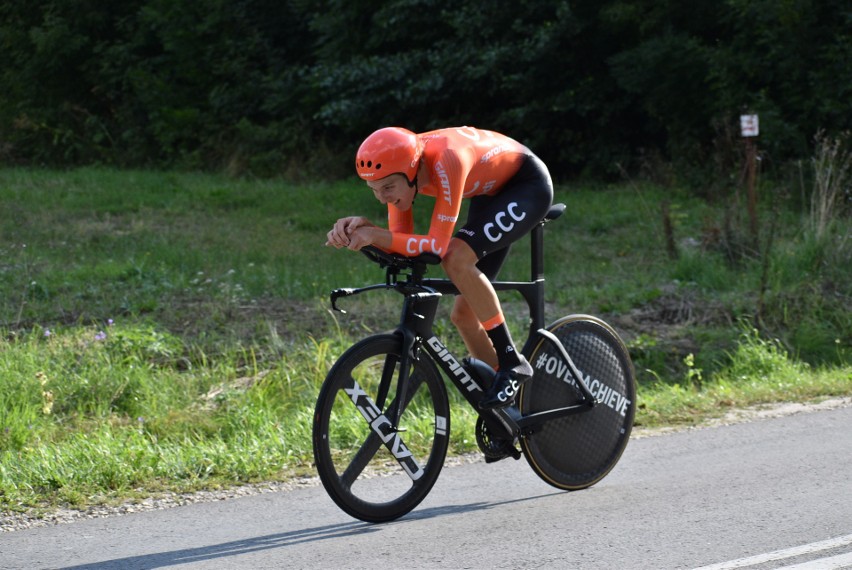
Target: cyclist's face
(393, 189)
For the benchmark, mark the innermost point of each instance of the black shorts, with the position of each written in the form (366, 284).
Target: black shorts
(495, 222)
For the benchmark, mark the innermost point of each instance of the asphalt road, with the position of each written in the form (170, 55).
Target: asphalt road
(766, 494)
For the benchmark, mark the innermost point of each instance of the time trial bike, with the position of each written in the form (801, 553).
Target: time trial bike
(382, 420)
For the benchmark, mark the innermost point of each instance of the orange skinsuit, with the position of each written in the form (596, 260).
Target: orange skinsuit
(462, 162)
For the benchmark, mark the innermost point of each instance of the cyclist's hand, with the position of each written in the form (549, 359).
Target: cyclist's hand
(361, 237)
(340, 234)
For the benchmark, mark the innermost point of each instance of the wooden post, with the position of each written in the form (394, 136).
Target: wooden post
(749, 129)
(668, 231)
(751, 174)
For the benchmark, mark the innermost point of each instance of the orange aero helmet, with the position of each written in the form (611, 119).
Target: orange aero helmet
(388, 151)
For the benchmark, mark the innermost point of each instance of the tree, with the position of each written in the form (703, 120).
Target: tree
(265, 86)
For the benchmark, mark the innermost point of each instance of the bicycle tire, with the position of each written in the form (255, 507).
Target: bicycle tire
(359, 470)
(577, 451)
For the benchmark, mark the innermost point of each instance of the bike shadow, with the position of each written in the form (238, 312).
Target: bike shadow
(432, 512)
(285, 539)
(231, 548)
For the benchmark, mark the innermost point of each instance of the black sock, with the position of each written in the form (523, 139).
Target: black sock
(507, 357)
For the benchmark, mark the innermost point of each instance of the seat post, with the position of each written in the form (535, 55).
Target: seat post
(535, 299)
(537, 252)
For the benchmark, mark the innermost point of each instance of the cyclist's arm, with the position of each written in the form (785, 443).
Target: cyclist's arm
(450, 170)
(400, 221)
(436, 241)
(406, 242)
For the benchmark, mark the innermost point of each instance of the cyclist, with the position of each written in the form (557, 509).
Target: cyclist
(510, 191)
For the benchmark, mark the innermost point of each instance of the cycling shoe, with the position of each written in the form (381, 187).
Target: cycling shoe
(504, 390)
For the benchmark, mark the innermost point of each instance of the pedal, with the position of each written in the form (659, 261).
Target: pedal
(507, 451)
(494, 449)
(491, 459)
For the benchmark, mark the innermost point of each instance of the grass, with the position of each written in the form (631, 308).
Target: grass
(165, 331)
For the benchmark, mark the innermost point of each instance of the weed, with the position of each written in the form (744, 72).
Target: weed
(832, 182)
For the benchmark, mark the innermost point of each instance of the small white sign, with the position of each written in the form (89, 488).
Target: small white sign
(749, 125)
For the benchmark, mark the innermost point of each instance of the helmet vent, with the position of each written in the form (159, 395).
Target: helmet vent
(369, 164)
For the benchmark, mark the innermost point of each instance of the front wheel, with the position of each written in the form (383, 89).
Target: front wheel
(373, 470)
(576, 451)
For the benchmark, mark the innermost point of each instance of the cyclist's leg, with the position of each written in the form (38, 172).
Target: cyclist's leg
(464, 318)
(493, 224)
(475, 339)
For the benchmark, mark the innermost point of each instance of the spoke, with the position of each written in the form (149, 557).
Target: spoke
(389, 436)
(362, 458)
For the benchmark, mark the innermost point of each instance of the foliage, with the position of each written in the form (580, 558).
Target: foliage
(757, 371)
(261, 87)
(152, 82)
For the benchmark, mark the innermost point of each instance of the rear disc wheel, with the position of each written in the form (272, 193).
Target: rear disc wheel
(577, 451)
